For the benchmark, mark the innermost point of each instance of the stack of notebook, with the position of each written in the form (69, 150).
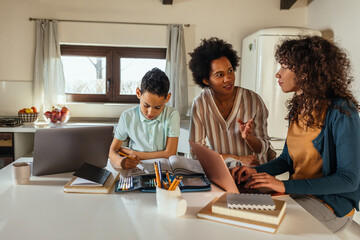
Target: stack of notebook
(91, 179)
(253, 211)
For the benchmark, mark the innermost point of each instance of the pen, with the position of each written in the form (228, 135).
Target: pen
(160, 175)
(123, 154)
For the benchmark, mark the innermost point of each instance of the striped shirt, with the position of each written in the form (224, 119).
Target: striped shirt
(224, 136)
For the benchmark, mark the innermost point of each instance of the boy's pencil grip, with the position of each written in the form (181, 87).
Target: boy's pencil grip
(125, 155)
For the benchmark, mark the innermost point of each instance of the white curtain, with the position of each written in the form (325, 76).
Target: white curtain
(176, 68)
(49, 82)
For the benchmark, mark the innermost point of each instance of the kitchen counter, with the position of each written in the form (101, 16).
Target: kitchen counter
(24, 134)
(31, 128)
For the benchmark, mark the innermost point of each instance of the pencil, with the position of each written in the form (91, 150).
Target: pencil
(168, 177)
(174, 184)
(123, 154)
(157, 175)
(178, 180)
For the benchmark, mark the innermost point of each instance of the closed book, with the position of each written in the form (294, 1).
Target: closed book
(249, 223)
(266, 216)
(105, 188)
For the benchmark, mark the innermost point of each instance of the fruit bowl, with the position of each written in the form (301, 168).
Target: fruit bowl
(28, 118)
(57, 117)
(28, 115)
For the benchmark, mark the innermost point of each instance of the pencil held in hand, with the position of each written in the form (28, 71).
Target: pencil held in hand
(124, 155)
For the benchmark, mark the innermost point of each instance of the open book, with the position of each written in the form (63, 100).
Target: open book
(142, 177)
(175, 165)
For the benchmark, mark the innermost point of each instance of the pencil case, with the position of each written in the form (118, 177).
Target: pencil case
(147, 183)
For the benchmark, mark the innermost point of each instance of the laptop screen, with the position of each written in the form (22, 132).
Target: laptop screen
(58, 150)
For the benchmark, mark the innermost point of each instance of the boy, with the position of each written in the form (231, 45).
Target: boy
(152, 127)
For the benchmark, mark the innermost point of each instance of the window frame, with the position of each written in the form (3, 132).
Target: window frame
(113, 75)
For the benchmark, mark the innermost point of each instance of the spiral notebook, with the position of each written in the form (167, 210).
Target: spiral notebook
(254, 201)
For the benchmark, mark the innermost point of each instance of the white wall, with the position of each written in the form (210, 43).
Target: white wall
(340, 20)
(229, 19)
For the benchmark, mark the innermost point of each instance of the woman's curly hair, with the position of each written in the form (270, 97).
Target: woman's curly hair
(322, 72)
(209, 50)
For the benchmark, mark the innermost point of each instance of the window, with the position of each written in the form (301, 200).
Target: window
(107, 74)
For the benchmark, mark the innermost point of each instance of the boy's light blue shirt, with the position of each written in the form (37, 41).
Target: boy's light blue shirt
(148, 135)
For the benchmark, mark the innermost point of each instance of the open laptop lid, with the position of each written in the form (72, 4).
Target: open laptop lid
(59, 150)
(214, 167)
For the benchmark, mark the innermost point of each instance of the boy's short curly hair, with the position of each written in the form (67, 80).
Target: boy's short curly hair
(156, 82)
(209, 50)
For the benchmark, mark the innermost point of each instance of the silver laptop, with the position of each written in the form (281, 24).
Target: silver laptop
(216, 170)
(59, 150)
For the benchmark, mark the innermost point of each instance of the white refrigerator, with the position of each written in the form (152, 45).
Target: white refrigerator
(258, 69)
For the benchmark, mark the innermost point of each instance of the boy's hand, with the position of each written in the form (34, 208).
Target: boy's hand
(242, 173)
(127, 151)
(129, 162)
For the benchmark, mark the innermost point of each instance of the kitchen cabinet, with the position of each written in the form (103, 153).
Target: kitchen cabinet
(6, 149)
(14, 145)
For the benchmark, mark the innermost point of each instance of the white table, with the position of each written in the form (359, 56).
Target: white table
(42, 210)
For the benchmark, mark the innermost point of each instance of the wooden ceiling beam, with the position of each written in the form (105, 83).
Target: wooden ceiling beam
(285, 4)
(167, 2)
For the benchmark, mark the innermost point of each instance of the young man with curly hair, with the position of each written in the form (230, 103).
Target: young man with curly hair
(233, 119)
(322, 149)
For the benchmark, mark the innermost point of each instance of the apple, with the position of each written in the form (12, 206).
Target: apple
(47, 114)
(34, 109)
(53, 118)
(64, 110)
(63, 117)
(58, 115)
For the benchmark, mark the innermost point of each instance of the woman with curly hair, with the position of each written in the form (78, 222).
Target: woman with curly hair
(233, 119)
(322, 149)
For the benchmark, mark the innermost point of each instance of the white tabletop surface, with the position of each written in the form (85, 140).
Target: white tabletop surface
(41, 210)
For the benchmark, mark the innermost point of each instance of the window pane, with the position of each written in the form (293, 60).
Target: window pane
(84, 75)
(132, 71)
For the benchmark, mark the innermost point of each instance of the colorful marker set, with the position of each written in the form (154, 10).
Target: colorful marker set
(132, 183)
(126, 183)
